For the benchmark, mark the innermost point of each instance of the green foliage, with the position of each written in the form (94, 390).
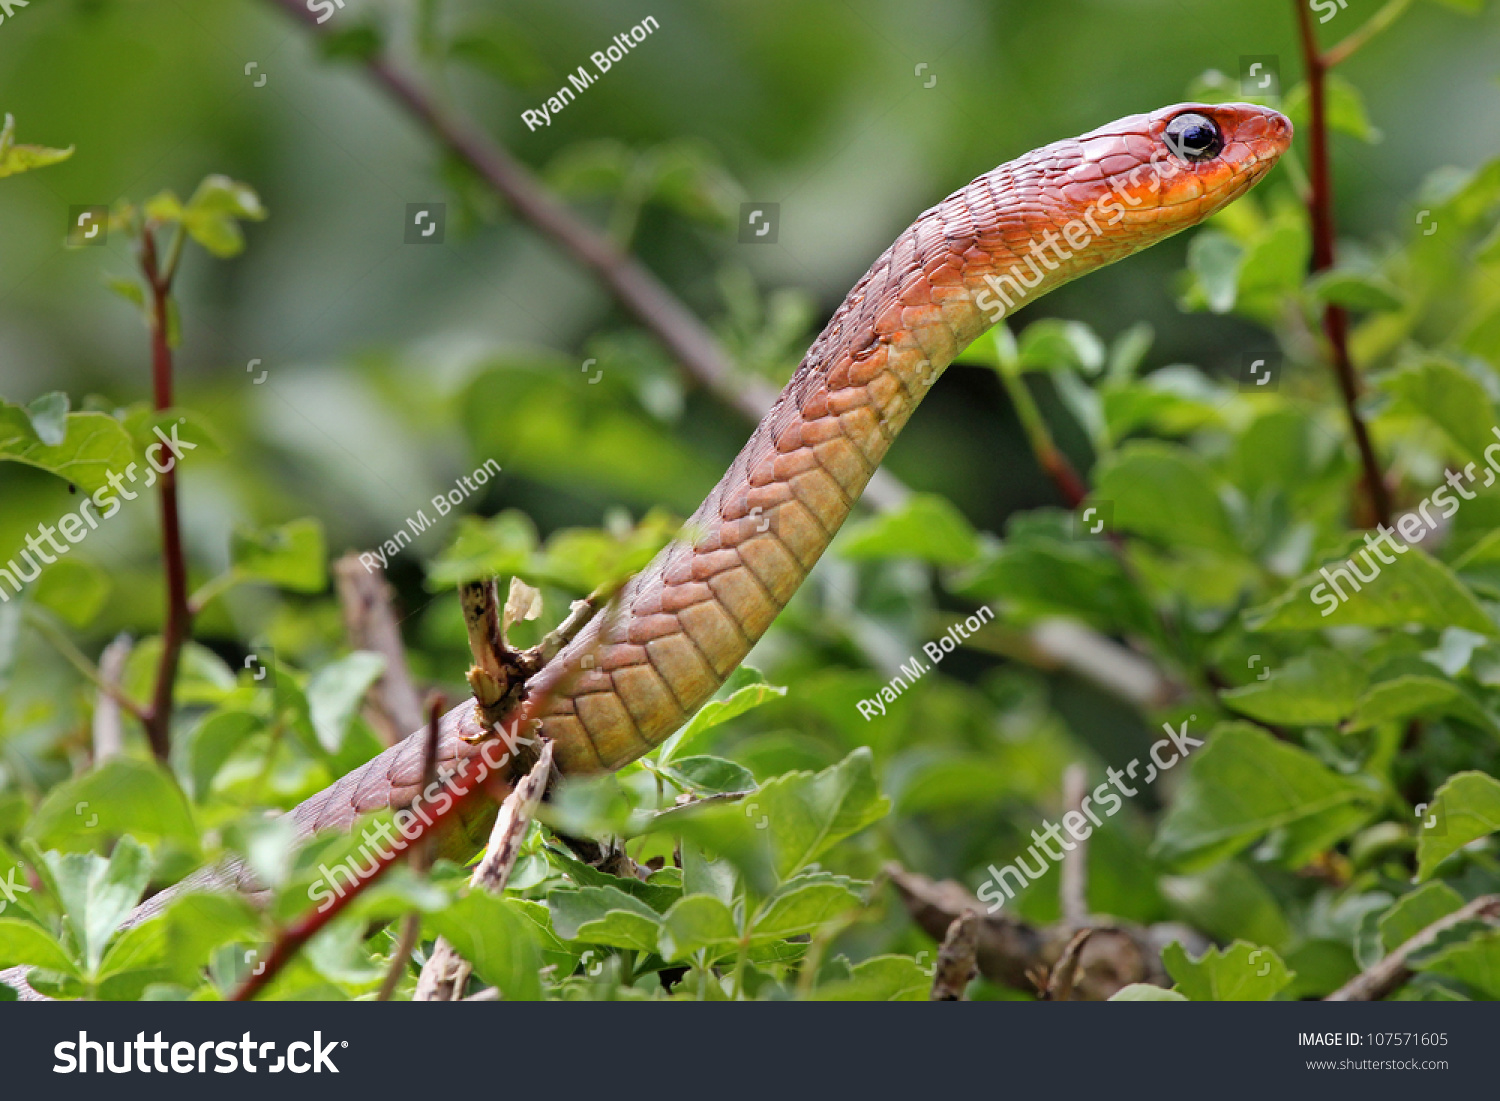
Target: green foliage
(1344, 797)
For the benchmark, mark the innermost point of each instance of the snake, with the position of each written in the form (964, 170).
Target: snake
(627, 681)
(680, 626)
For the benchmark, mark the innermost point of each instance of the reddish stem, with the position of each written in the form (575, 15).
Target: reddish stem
(179, 615)
(1320, 207)
(466, 792)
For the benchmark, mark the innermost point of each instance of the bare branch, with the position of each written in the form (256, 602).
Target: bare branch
(446, 973)
(1074, 874)
(1385, 976)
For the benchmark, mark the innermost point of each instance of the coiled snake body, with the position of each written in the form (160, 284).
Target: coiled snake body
(1008, 237)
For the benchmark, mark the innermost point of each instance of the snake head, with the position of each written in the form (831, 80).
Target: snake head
(1172, 168)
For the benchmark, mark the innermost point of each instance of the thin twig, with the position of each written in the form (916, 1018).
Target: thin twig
(957, 960)
(1065, 973)
(1385, 976)
(64, 646)
(1320, 208)
(178, 626)
(370, 624)
(445, 975)
(1073, 877)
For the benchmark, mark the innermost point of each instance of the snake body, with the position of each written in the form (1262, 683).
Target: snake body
(688, 619)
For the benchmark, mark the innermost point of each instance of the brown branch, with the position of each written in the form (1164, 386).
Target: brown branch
(956, 963)
(179, 616)
(1010, 951)
(640, 292)
(1320, 209)
(1385, 976)
(394, 706)
(446, 973)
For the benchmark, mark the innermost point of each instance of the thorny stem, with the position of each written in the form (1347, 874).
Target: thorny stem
(179, 615)
(1320, 208)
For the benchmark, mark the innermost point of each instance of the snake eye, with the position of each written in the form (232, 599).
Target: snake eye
(1192, 137)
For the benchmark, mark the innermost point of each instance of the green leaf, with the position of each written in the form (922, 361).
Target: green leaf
(291, 556)
(1415, 589)
(803, 905)
(335, 692)
(212, 742)
(790, 822)
(604, 915)
(1240, 973)
(15, 158)
(213, 214)
(1243, 784)
(1464, 809)
(1474, 962)
(500, 547)
(1050, 344)
(94, 445)
(49, 417)
(1452, 399)
(1317, 687)
(1413, 912)
(21, 942)
(697, 923)
(1404, 697)
(494, 937)
(197, 923)
(95, 894)
(879, 979)
(1228, 902)
(122, 796)
(1344, 109)
(744, 690)
(1215, 258)
(657, 896)
(1145, 992)
(710, 776)
(1353, 290)
(925, 527)
(1165, 492)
